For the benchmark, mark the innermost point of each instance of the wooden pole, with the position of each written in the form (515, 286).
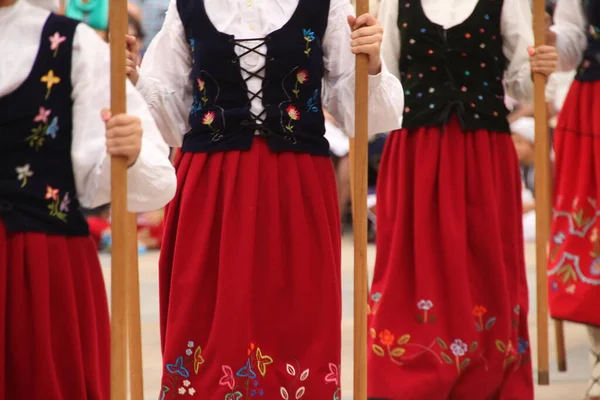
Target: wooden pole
(119, 230)
(542, 197)
(561, 351)
(359, 182)
(136, 380)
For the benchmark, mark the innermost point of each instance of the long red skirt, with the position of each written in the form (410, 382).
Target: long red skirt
(54, 322)
(250, 279)
(449, 302)
(574, 262)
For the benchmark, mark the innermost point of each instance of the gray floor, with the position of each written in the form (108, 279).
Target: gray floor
(564, 386)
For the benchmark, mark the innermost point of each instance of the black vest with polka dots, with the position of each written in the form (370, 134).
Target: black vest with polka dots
(455, 71)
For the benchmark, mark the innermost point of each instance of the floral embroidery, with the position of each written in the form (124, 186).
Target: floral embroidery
(23, 173)
(58, 207)
(294, 115)
(38, 136)
(309, 37)
(249, 384)
(459, 350)
(301, 78)
(208, 119)
(50, 80)
(202, 89)
(395, 350)
(478, 313)
(55, 41)
(424, 316)
(300, 389)
(334, 377)
(179, 372)
(312, 103)
(376, 298)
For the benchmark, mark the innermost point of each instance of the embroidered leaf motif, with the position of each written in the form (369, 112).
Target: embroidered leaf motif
(464, 363)
(398, 352)
(378, 350)
(442, 344)
(373, 333)
(290, 370)
(478, 327)
(403, 339)
(501, 346)
(473, 347)
(300, 392)
(284, 393)
(490, 323)
(447, 358)
(304, 375)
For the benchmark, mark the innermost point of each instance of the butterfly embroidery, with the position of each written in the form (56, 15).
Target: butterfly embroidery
(246, 371)
(227, 379)
(178, 368)
(198, 359)
(333, 376)
(262, 361)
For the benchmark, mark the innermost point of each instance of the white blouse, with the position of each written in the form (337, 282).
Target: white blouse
(164, 75)
(516, 28)
(151, 180)
(570, 26)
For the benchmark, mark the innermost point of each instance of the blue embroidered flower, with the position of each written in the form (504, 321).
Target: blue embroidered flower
(523, 346)
(554, 286)
(309, 35)
(52, 128)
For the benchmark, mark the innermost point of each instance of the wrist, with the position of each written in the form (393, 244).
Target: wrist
(375, 67)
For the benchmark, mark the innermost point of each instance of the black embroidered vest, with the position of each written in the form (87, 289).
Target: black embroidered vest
(221, 117)
(457, 70)
(589, 69)
(37, 186)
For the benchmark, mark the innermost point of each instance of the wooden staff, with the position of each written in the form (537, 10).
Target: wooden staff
(542, 197)
(136, 379)
(119, 229)
(359, 157)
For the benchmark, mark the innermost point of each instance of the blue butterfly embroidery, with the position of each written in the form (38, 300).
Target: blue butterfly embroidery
(52, 128)
(246, 371)
(178, 368)
(311, 104)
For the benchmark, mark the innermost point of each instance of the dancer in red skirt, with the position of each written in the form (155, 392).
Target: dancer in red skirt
(448, 307)
(54, 325)
(574, 263)
(250, 265)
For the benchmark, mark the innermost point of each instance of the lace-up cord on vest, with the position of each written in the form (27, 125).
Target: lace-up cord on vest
(258, 119)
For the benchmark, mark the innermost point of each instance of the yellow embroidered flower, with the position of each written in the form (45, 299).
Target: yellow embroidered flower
(50, 80)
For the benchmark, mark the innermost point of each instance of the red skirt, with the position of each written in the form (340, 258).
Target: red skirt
(54, 321)
(574, 262)
(250, 285)
(449, 303)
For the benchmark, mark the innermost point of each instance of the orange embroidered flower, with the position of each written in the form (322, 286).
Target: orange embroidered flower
(208, 118)
(51, 193)
(479, 311)
(386, 337)
(251, 349)
(293, 113)
(201, 84)
(302, 76)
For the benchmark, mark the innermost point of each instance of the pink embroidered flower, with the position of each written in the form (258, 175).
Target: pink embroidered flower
(293, 112)
(208, 118)
(227, 379)
(302, 76)
(42, 115)
(51, 193)
(334, 374)
(201, 84)
(56, 40)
